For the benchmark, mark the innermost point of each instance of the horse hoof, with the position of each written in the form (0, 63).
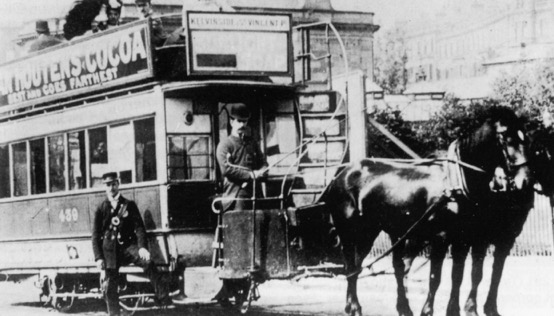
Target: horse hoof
(353, 311)
(347, 309)
(426, 312)
(490, 310)
(471, 308)
(452, 310)
(405, 311)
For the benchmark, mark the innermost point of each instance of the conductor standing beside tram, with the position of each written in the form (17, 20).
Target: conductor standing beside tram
(119, 239)
(241, 161)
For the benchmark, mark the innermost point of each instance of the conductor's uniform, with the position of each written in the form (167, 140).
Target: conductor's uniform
(118, 235)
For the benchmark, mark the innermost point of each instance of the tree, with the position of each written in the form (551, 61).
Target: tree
(529, 90)
(455, 119)
(390, 61)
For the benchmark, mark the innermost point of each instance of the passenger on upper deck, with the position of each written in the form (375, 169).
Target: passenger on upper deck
(108, 17)
(114, 12)
(44, 39)
(158, 33)
(91, 16)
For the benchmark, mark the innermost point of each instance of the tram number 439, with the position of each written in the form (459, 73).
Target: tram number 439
(69, 215)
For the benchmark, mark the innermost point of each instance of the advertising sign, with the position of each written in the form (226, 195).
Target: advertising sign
(110, 58)
(239, 44)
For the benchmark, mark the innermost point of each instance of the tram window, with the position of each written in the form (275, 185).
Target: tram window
(281, 139)
(121, 151)
(145, 150)
(38, 166)
(19, 158)
(189, 157)
(56, 163)
(98, 142)
(77, 160)
(4, 171)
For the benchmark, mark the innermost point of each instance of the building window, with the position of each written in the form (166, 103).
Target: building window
(145, 150)
(20, 179)
(190, 157)
(56, 163)
(38, 166)
(4, 171)
(98, 142)
(77, 160)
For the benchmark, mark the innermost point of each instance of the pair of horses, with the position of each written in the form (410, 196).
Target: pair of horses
(478, 196)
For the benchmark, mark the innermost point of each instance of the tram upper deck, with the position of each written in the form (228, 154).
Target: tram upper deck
(218, 45)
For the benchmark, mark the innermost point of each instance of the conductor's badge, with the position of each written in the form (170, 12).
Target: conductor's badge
(125, 214)
(115, 221)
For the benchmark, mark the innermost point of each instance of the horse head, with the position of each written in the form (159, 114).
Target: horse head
(499, 147)
(514, 146)
(541, 159)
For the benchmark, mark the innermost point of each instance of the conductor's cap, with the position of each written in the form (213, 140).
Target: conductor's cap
(109, 177)
(239, 111)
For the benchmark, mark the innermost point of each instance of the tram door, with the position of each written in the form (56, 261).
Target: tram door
(191, 175)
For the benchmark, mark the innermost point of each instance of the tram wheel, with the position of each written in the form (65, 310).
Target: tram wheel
(241, 291)
(236, 290)
(252, 295)
(61, 304)
(64, 304)
(137, 301)
(132, 303)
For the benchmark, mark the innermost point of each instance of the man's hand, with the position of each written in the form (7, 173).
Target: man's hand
(100, 264)
(260, 173)
(144, 254)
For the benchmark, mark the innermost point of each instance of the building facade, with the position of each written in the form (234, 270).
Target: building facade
(466, 45)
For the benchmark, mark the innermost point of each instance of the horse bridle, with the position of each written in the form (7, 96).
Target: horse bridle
(509, 165)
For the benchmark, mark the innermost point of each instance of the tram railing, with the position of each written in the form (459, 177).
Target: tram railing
(306, 55)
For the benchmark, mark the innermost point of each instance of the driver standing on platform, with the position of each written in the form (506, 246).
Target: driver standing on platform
(119, 239)
(239, 149)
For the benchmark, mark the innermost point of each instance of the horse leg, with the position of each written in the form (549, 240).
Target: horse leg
(501, 251)
(354, 254)
(437, 255)
(402, 303)
(477, 257)
(459, 254)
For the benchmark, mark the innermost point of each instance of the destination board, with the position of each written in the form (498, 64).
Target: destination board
(239, 44)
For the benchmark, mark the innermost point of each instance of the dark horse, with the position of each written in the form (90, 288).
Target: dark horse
(487, 217)
(374, 195)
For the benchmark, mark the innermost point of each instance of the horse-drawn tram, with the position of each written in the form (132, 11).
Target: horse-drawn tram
(113, 101)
